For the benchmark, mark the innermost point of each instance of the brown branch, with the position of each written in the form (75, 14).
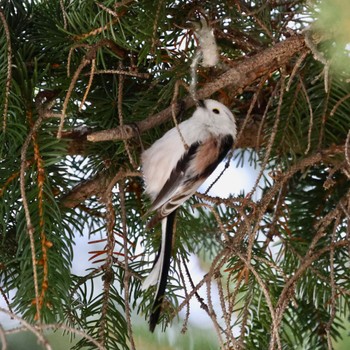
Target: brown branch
(9, 69)
(94, 186)
(127, 275)
(86, 189)
(64, 14)
(242, 75)
(30, 227)
(108, 271)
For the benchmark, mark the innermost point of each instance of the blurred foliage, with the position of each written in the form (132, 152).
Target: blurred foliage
(334, 23)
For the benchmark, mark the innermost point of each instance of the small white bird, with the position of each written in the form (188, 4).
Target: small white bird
(173, 173)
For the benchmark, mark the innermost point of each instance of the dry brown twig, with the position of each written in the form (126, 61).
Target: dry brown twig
(30, 227)
(216, 265)
(9, 70)
(37, 330)
(3, 338)
(173, 112)
(88, 87)
(127, 275)
(183, 281)
(75, 78)
(333, 285)
(124, 72)
(200, 300)
(213, 316)
(89, 57)
(227, 315)
(303, 88)
(121, 118)
(107, 266)
(296, 68)
(64, 14)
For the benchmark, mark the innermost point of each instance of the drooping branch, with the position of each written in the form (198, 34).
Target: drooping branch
(243, 74)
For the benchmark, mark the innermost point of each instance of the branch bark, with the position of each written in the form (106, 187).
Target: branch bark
(237, 78)
(96, 186)
(243, 74)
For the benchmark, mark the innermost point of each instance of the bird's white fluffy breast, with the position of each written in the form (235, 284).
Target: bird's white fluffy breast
(161, 158)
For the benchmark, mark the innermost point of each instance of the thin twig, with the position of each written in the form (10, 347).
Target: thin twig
(227, 165)
(251, 106)
(9, 70)
(3, 340)
(324, 119)
(108, 10)
(96, 31)
(303, 88)
(121, 119)
(268, 104)
(91, 78)
(333, 286)
(155, 25)
(7, 302)
(227, 316)
(30, 226)
(275, 327)
(124, 72)
(319, 56)
(200, 300)
(82, 64)
(216, 265)
(347, 148)
(263, 166)
(70, 54)
(339, 102)
(272, 136)
(183, 281)
(296, 67)
(217, 217)
(64, 14)
(245, 315)
(173, 113)
(75, 331)
(108, 271)
(212, 314)
(126, 280)
(37, 331)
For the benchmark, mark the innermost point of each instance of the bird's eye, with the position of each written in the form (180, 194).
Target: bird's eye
(216, 111)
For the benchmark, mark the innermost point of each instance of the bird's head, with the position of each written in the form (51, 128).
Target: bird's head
(217, 117)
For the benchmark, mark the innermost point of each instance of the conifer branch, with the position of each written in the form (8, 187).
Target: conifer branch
(242, 75)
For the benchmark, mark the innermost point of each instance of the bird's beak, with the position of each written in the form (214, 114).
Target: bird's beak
(201, 103)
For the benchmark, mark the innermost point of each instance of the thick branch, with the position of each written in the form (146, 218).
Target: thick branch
(95, 186)
(238, 77)
(86, 189)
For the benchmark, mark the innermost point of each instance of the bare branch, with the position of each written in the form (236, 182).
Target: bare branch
(94, 186)
(9, 69)
(238, 77)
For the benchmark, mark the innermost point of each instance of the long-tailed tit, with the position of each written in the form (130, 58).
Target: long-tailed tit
(173, 172)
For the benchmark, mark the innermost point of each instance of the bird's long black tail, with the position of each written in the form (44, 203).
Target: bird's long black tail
(165, 255)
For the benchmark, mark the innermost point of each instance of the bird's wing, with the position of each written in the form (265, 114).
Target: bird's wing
(176, 177)
(191, 171)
